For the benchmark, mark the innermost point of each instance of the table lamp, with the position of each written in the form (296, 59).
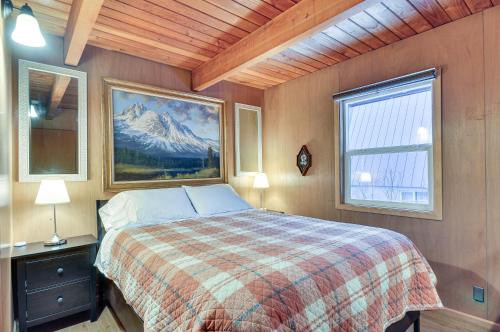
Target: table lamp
(53, 192)
(260, 182)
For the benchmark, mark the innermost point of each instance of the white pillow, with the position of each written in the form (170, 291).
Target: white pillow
(217, 198)
(146, 207)
(117, 212)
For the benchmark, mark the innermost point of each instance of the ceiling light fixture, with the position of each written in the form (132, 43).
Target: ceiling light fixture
(27, 31)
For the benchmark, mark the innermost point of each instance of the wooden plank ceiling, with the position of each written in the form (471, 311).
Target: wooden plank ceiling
(188, 33)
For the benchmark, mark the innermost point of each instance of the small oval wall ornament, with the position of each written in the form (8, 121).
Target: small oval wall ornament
(304, 160)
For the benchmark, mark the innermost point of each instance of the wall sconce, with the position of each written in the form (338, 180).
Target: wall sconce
(27, 31)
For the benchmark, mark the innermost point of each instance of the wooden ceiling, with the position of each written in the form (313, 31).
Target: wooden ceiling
(57, 93)
(192, 33)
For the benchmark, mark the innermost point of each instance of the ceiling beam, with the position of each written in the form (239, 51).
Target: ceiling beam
(59, 88)
(302, 20)
(81, 20)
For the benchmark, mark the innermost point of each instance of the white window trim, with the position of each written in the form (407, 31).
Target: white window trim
(433, 210)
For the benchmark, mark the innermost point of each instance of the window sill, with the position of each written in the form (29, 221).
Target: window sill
(434, 215)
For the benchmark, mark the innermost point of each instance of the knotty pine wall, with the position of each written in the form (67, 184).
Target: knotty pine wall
(463, 248)
(5, 220)
(30, 222)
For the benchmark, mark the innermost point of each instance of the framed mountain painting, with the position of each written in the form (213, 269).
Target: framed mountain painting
(161, 138)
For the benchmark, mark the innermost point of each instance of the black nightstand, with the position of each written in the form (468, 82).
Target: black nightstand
(54, 282)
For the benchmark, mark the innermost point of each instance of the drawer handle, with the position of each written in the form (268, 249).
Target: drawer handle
(60, 299)
(60, 270)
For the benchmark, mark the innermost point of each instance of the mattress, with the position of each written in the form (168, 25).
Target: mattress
(264, 271)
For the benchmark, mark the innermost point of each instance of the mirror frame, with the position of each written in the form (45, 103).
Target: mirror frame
(237, 108)
(24, 121)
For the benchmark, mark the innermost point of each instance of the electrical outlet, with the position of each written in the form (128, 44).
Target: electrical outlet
(478, 294)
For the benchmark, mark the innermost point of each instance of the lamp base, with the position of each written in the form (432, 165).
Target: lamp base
(55, 241)
(52, 244)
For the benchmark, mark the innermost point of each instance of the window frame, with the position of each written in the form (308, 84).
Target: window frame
(432, 211)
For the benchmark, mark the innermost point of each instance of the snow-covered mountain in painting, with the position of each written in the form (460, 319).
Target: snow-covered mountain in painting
(158, 134)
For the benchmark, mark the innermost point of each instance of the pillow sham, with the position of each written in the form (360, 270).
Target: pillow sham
(146, 206)
(214, 199)
(117, 212)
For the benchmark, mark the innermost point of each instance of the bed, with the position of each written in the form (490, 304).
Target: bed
(256, 270)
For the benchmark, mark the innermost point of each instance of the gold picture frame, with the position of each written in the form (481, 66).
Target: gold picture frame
(140, 154)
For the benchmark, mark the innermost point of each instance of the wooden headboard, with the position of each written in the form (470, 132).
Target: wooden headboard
(100, 227)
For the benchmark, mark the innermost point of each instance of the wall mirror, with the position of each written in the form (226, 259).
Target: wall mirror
(248, 139)
(52, 123)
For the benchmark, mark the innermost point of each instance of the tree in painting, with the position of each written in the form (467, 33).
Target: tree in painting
(161, 138)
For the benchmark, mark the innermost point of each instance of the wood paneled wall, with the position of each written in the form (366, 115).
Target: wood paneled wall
(31, 223)
(492, 151)
(463, 248)
(5, 180)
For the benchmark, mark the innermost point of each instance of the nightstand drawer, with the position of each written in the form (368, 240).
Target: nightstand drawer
(58, 299)
(52, 271)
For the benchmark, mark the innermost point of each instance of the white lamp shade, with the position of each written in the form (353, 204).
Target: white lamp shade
(260, 181)
(27, 31)
(52, 192)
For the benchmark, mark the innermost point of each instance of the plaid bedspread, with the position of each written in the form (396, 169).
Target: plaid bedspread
(263, 271)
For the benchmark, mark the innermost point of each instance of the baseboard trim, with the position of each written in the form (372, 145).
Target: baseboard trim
(450, 320)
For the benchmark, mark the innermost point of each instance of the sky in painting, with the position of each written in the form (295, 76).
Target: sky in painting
(203, 120)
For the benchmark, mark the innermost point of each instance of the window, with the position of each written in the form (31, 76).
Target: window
(407, 196)
(422, 196)
(388, 147)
